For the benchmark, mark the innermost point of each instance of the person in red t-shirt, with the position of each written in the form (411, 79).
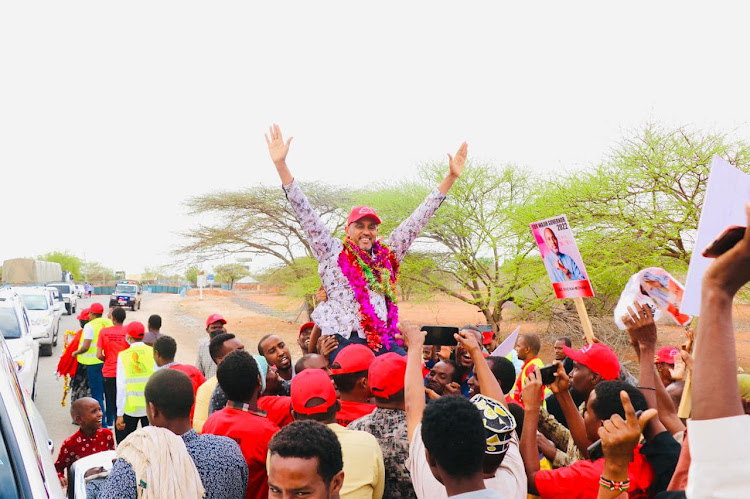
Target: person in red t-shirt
(89, 439)
(581, 479)
(165, 349)
(349, 372)
(242, 420)
(110, 343)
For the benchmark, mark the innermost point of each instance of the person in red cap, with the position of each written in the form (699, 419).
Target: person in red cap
(592, 365)
(664, 361)
(68, 364)
(135, 365)
(86, 353)
(387, 423)
(314, 397)
(303, 339)
(360, 273)
(350, 373)
(111, 342)
(214, 326)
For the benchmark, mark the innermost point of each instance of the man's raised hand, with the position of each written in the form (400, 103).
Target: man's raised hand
(640, 324)
(730, 271)
(619, 437)
(457, 163)
(277, 148)
(562, 380)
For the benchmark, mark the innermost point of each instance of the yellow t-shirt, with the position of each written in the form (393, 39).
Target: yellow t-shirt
(202, 401)
(364, 472)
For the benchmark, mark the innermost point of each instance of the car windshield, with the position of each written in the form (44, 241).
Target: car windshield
(64, 288)
(9, 323)
(125, 288)
(35, 302)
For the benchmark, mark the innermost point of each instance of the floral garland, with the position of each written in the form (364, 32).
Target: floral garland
(379, 271)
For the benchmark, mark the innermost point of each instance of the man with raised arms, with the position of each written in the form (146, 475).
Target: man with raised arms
(359, 273)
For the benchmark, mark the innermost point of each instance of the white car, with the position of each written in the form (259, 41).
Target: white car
(80, 290)
(26, 451)
(68, 291)
(15, 326)
(44, 315)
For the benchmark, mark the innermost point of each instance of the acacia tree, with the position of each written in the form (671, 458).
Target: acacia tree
(230, 272)
(475, 247)
(259, 221)
(67, 261)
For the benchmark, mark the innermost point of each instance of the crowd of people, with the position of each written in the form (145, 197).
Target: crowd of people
(369, 411)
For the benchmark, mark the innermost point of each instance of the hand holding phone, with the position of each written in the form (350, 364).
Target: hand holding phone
(547, 374)
(725, 241)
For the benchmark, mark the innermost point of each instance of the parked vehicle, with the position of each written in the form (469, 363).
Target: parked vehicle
(80, 290)
(43, 313)
(15, 326)
(26, 451)
(58, 298)
(68, 291)
(126, 294)
(30, 271)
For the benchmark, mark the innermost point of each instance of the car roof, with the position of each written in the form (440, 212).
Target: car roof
(31, 290)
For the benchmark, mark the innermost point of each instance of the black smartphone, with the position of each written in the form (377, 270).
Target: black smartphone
(595, 449)
(725, 241)
(440, 335)
(548, 374)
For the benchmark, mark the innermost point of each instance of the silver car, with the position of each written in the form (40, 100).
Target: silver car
(43, 312)
(26, 452)
(15, 327)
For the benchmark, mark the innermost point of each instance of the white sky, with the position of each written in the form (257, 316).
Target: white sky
(111, 116)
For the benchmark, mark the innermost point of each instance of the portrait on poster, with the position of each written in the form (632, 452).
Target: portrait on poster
(561, 258)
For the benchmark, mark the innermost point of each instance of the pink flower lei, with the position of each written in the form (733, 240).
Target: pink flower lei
(380, 272)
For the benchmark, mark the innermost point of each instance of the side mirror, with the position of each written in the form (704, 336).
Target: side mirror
(38, 335)
(58, 306)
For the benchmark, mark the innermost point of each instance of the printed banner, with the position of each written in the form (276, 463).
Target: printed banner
(658, 289)
(562, 258)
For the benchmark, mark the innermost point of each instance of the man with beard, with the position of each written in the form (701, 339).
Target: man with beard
(593, 364)
(463, 359)
(276, 352)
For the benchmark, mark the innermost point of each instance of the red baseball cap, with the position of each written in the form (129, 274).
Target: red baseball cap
(306, 325)
(215, 318)
(486, 337)
(135, 330)
(359, 212)
(599, 358)
(310, 384)
(353, 359)
(666, 354)
(84, 315)
(386, 375)
(96, 308)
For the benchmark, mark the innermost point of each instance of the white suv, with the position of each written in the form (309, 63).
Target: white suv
(15, 326)
(43, 313)
(68, 290)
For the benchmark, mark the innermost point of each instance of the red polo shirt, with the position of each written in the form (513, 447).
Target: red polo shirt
(112, 341)
(353, 410)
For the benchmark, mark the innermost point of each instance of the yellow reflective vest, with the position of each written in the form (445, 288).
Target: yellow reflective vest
(138, 366)
(88, 358)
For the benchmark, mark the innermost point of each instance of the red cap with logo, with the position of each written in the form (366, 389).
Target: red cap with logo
(84, 315)
(353, 359)
(306, 325)
(215, 318)
(386, 375)
(311, 384)
(96, 308)
(666, 354)
(360, 212)
(599, 358)
(135, 330)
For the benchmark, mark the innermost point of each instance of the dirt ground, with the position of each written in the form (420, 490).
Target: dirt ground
(184, 318)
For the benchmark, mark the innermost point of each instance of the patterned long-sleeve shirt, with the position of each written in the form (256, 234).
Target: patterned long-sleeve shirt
(340, 313)
(218, 460)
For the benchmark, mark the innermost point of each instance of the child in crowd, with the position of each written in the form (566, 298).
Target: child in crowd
(89, 439)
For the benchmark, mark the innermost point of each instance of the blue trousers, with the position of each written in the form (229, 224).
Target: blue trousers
(355, 339)
(96, 383)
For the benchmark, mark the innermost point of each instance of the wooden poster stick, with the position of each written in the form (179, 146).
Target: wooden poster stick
(588, 331)
(686, 402)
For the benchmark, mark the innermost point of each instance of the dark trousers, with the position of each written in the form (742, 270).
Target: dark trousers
(355, 339)
(131, 424)
(110, 401)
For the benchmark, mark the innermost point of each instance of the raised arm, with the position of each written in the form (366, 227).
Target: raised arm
(278, 149)
(488, 384)
(413, 382)
(316, 232)
(402, 238)
(561, 388)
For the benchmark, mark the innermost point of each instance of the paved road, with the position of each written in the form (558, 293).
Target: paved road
(50, 389)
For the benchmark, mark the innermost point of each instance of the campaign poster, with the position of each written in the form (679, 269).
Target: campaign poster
(657, 288)
(562, 258)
